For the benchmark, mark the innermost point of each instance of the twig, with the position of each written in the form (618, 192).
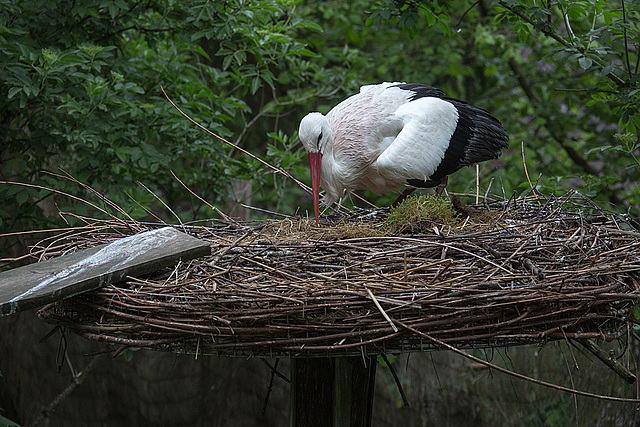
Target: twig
(611, 362)
(96, 193)
(575, 397)
(264, 211)
(162, 202)
(237, 147)
(405, 401)
(274, 369)
(79, 199)
(78, 379)
(278, 103)
(385, 315)
(216, 210)
(144, 208)
(486, 193)
(524, 164)
(477, 184)
(515, 374)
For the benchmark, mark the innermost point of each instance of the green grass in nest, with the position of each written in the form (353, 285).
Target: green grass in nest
(420, 214)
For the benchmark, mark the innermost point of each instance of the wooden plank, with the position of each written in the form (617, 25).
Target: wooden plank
(41, 283)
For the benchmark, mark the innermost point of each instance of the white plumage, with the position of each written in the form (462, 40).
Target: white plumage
(395, 136)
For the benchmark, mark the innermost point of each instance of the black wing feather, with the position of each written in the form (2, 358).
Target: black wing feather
(420, 91)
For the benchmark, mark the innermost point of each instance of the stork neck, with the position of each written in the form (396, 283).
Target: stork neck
(326, 143)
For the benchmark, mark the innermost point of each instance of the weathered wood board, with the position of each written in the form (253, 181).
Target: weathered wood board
(38, 284)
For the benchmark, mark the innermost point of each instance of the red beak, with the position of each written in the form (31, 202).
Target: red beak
(315, 162)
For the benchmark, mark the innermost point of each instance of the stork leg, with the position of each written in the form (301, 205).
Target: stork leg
(401, 197)
(441, 186)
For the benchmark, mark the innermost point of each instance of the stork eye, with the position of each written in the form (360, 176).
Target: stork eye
(319, 138)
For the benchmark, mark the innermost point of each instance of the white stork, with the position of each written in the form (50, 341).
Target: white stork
(393, 137)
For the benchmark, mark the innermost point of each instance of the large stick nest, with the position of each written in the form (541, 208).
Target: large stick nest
(541, 269)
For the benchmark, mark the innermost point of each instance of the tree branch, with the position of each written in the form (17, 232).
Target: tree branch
(277, 103)
(547, 32)
(529, 92)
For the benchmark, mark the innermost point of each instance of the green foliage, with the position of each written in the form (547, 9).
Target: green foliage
(411, 13)
(127, 353)
(286, 153)
(82, 84)
(382, 362)
(555, 413)
(601, 38)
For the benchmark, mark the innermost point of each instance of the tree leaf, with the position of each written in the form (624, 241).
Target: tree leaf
(585, 62)
(12, 92)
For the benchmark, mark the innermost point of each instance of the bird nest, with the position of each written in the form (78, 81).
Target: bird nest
(536, 269)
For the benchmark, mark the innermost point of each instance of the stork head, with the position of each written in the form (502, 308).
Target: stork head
(315, 135)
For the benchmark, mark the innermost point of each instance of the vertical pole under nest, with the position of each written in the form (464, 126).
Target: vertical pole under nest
(332, 392)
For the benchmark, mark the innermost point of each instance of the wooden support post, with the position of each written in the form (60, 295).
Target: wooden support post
(332, 392)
